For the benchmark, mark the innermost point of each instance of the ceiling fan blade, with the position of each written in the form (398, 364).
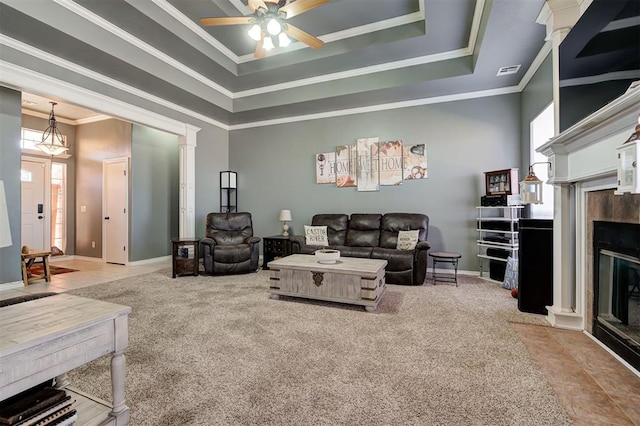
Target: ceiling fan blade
(304, 37)
(299, 6)
(256, 4)
(209, 22)
(260, 51)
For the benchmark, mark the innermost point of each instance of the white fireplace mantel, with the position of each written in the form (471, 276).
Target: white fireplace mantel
(583, 158)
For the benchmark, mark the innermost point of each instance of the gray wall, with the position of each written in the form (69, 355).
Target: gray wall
(155, 186)
(41, 124)
(212, 156)
(10, 122)
(464, 139)
(95, 142)
(535, 97)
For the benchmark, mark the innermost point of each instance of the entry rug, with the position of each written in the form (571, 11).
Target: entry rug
(38, 269)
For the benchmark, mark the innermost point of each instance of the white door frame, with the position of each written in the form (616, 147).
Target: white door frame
(104, 207)
(38, 83)
(47, 195)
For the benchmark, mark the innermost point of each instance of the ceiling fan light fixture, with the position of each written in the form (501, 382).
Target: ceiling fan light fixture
(255, 32)
(283, 40)
(267, 44)
(274, 27)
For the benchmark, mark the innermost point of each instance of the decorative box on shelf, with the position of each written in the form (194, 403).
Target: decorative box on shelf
(501, 182)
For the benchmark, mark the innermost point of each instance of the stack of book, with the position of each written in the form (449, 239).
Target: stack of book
(38, 407)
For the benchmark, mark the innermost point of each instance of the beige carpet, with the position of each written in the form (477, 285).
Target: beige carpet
(207, 351)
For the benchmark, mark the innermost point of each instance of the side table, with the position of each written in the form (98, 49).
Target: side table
(28, 259)
(446, 257)
(275, 247)
(186, 257)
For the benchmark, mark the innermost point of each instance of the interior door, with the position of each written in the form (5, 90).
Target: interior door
(115, 207)
(35, 178)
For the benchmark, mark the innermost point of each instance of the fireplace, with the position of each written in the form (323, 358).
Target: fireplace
(616, 278)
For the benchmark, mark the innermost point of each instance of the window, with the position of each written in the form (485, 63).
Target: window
(30, 138)
(58, 206)
(542, 129)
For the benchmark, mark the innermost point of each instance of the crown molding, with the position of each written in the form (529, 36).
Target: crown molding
(37, 53)
(535, 65)
(380, 107)
(389, 66)
(20, 78)
(117, 31)
(39, 114)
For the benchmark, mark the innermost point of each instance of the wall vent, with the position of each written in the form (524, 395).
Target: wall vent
(508, 70)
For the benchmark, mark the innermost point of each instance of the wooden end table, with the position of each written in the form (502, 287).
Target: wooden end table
(186, 256)
(274, 247)
(28, 259)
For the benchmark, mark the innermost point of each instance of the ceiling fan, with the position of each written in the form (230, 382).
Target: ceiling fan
(269, 27)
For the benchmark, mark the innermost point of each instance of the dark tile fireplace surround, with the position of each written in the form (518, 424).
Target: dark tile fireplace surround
(613, 268)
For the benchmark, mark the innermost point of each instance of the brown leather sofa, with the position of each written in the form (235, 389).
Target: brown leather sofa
(375, 236)
(229, 246)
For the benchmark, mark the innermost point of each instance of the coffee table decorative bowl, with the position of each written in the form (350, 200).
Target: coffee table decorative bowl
(327, 256)
(352, 280)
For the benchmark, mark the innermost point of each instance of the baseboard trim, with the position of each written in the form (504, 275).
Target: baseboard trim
(12, 286)
(148, 261)
(86, 258)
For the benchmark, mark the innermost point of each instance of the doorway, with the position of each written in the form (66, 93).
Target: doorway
(35, 181)
(115, 208)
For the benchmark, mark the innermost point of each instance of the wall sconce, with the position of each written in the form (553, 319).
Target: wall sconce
(531, 186)
(5, 228)
(228, 179)
(285, 216)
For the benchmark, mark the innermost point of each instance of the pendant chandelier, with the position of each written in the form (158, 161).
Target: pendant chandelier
(53, 143)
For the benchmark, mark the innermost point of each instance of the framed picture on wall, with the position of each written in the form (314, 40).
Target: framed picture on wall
(501, 182)
(326, 167)
(368, 170)
(389, 159)
(346, 166)
(415, 161)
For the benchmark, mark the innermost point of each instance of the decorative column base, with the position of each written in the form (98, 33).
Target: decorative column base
(564, 319)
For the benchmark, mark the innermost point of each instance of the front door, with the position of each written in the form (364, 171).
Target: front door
(115, 235)
(35, 178)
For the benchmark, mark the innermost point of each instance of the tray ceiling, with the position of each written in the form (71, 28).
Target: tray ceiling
(376, 52)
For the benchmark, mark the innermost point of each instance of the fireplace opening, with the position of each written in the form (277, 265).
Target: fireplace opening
(617, 288)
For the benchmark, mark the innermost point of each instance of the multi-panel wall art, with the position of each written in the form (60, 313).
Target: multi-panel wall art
(369, 164)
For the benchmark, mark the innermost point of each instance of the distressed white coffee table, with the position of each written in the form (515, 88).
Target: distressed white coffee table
(350, 280)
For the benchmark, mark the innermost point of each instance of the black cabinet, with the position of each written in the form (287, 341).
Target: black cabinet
(186, 259)
(535, 266)
(275, 247)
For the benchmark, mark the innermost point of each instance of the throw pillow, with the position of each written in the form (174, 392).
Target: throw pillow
(511, 274)
(407, 240)
(316, 235)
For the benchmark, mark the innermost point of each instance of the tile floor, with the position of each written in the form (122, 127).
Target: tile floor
(594, 387)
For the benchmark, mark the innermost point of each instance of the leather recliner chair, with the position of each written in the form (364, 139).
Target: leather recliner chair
(229, 246)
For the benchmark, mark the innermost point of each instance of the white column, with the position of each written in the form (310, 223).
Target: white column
(187, 144)
(559, 16)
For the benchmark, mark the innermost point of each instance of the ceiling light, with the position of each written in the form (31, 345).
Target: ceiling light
(53, 143)
(274, 27)
(283, 40)
(267, 44)
(255, 32)
(29, 103)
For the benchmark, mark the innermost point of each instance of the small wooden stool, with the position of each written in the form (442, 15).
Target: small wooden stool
(28, 259)
(443, 256)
